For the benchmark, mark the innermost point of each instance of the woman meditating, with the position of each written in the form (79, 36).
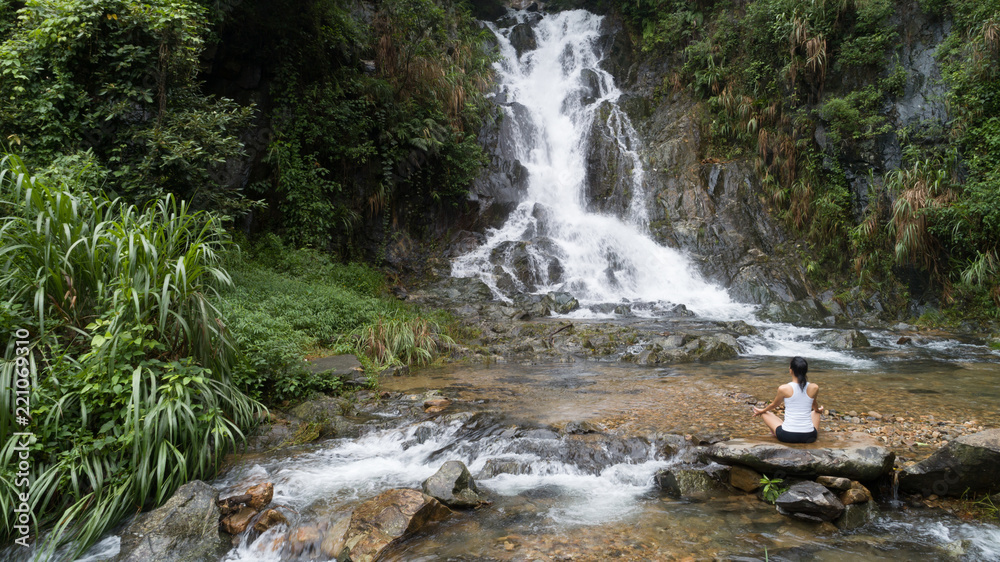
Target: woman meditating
(802, 412)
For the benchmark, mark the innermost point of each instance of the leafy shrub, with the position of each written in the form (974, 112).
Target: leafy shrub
(120, 79)
(129, 361)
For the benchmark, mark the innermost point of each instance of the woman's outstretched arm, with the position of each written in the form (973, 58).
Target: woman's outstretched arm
(778, 400)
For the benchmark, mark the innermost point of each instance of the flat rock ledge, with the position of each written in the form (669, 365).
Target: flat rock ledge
(857, 456)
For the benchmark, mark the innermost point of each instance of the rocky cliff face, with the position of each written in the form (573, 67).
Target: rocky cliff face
(708, 208)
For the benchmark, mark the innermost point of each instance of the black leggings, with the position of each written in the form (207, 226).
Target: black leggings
(792, 437)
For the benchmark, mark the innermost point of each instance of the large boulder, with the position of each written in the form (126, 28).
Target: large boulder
(857, 456)
(185, 529)
(381, 522)
(810, 501)
(971, 462)
(453, 486)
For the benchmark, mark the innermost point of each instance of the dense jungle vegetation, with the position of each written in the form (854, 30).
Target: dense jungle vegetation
(176, 243)
(156, 340)
(804, 90)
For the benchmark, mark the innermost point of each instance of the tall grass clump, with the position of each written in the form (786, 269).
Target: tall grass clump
(130, 360)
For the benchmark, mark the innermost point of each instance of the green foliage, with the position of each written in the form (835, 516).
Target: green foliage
(772, 489)
(128, 358)
(119, 79)
(286, 304)
(373, 118)
(854, 117)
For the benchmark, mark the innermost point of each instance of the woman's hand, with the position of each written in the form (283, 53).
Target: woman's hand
(757, 411)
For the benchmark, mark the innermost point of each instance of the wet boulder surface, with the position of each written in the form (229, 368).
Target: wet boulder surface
(184, 529)
(856, 456)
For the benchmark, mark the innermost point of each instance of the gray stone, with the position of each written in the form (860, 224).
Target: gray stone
(971, 462)
(810, 501)
(693, 481)
(561, 303)
(857, 456)
(580, 428)
(522, 38)
(185, 529)
(453, 486)
(496, 467)
(849, 339)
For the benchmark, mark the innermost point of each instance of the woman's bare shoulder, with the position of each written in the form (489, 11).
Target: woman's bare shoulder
(813, 390)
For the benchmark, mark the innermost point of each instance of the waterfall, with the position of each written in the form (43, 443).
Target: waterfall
(551, 241)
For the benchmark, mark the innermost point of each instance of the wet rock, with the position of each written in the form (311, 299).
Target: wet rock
(561, 303)
(743, 478)
(970, 462)
(856, 515)
(268, 519)
(334, 541)
(185, 528)
(496, 467)
(956, 549)
(387, 519)
(690, 481)
(580, 428)
(608, 179)
(436, 404)
(323, 409)
(850, 339)
(810, 501)
(740, 327)
(453, 486)
(717, 348)
(903, 340)
(857, 493)
(260, 495)
(236, 523)
(522, 38)
(591, 86)
(857, 456)
(835, 483)
(671, 444)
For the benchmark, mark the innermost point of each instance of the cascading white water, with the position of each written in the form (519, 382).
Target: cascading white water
(597, 258)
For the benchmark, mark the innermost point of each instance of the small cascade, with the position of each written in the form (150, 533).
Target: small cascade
(553, 89)
(597, 479)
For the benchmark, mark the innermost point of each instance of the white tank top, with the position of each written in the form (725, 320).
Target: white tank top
(798, 411)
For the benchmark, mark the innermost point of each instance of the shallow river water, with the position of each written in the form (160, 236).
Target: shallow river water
(560, 507)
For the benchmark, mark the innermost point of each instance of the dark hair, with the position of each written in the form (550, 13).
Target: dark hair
(799, 369)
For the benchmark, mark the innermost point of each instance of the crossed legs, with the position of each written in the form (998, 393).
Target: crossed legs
(774, 421)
